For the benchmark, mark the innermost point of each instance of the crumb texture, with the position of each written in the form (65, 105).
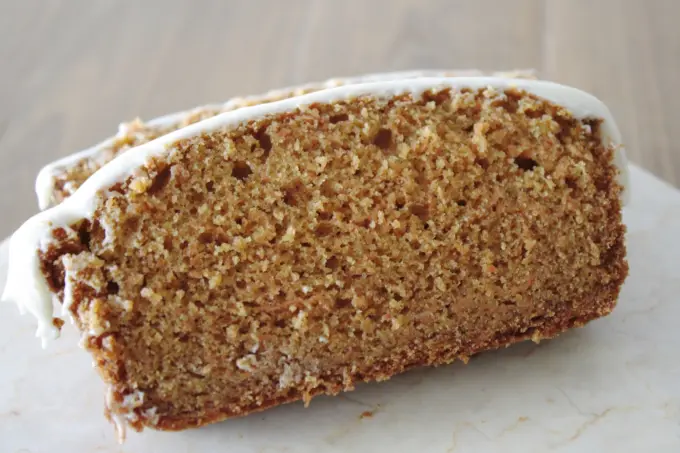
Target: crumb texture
(305, 252)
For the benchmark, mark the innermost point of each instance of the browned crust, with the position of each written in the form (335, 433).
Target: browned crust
(546, 330)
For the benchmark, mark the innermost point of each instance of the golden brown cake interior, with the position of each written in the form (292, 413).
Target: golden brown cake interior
(305, 252)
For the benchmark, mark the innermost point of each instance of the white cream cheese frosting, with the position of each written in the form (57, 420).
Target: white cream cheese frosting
(44, 183)
(26, 285)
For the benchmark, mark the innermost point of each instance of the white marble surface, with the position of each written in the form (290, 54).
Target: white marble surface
(611, 386)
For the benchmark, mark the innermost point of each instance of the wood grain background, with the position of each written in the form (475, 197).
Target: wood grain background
(70, 71)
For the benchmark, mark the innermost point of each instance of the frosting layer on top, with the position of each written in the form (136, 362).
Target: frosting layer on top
(44, 183)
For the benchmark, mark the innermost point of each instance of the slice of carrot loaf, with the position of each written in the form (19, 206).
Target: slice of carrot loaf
(60, 179)
(286, 250)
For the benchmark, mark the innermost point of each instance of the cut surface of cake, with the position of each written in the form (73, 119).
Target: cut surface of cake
(60, 179)
(282, 251)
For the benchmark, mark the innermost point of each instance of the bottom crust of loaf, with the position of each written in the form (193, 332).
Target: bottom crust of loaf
(544, 329)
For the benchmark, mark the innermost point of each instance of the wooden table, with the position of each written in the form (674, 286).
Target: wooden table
(70, 71)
